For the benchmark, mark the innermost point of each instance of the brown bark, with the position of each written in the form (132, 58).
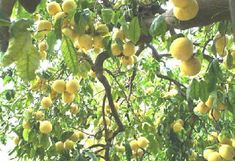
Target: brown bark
(6, 7)
(210, 11)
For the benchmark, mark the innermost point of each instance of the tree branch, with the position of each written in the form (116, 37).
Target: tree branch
(232, 12)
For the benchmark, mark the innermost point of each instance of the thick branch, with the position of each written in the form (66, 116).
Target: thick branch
(232, 11)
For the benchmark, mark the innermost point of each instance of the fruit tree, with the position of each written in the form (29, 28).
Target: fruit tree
(144, 80)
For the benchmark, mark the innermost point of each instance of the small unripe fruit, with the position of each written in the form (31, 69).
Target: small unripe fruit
(42, 55)
(53, 8)
(59, 146)
(116, 50)
(72, 86)
(69, 5)
(46, 102)
(26, 125)
(45, 127)
(182, 48)
(59, 86)
(16, 140)
(177, 127)
(68, 144)
(129, 49)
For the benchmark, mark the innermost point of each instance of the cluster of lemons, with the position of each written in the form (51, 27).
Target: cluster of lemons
(226, 149)
(67, 89)
(138, 145)
(177, 125)
(182, 49)
(69, 144)
(185, 10)
(206, 108)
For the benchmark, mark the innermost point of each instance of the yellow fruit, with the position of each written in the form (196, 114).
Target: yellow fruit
(26, 125)
(192, 156)
(46, 102)
(187, 13)
(191, 67)
(233, 143)
(69, 5)
(68, 97)
(120, 148)
(182, 48)
(119, 34)
(92, 74)
(202, 108)
(98, 42)
(134, 145)
(102, 29)
(77, 135)
(58, 86)
(85, 42)
(127, 60)
(107, 120)
(209, 101)
(180, 3)
(116, 50)
(227, 152)
(42, 55)
(43, 46)
(44, 25)
(69, 144)
(16, 140)
(220, 44)
(142, 142)
(53, 94)
(72, 86)
(39, 115)
(45, 127)
(138, 153)
(214, 114)
(224, 139)
(214, 156)
(53, 8)
(58, 16)
(70, 33)
(177, 127)
(206, 153)
(129, 49)
(74, 109)
(212, 136)
(59, 146)
(221, 106)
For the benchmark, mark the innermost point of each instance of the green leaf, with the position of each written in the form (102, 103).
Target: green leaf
(21, 51)
(203, 88)
(229, 61)
(158, 26)
(107, 15)
(134, 30)
(193, 90)
(44, 140)
(70, 55)
(82, 19)
(57, 26)
(26, 134)
(91, 155)
(128, 151)
(66, 135)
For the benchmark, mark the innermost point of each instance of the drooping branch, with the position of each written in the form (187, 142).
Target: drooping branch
(6, 7)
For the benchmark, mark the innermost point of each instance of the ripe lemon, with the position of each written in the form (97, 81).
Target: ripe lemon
(177, 127)
(191, 67)
(42, 46)
(46, 102)
(187, 13)
(69, 144)
(72, 86)
(134, 145)
(45, 127)
(102, 29)
(59, 146)
(98, 42)
(39, 115)
(212, 136)
(85, 42)
(70, 33)
(44, 25)
(214, 114)
(58, 86)
(206, 152)
(227, 152)
(77, 135)
(116, 50)
(119, 34)
(182, 48)
(129, 49)
(127, 60)
(53, 8)
(68, 97)
(224, 139)
(69, 5)
(202, 108)
(209, 101)
(58, 16)
(220, 44)
(180, 3)
(214, 156)
(142, 142)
